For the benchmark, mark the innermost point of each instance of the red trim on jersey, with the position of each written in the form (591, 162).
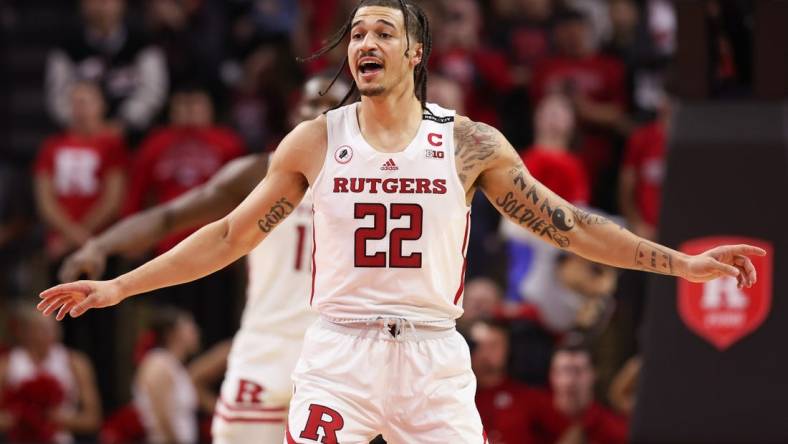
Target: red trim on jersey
(288, 436)
(233, 408)
(247, 420)
(314, 249)
(484, 435)
(464, 258)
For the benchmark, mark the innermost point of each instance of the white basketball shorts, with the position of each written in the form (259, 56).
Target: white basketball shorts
(410, 384)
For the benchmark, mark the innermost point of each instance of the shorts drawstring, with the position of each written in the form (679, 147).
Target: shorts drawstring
(393, 328)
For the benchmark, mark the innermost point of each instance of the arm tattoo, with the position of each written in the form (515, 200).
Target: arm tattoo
(474, 142)
(530, 208)
(530, 219)
(651, 258)
(276, 214)
(587, 218)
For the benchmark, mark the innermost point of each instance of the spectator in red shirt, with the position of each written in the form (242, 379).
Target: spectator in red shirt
(549, 159)
(181, 156)
(502, 402)
(460, 54)
(640, 182)
(595, 83)
(568, 413)
(171, 161)
(79, 177)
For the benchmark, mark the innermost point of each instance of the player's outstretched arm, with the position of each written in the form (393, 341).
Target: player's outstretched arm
(217, 244)
(139, 232)
(486, 159)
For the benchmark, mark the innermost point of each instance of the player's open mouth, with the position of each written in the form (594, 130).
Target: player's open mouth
(369, 67)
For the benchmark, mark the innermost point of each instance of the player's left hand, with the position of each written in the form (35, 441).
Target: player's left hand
(727, 260)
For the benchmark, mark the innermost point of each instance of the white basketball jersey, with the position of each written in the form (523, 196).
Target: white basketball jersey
(280, 280)
(391, 229)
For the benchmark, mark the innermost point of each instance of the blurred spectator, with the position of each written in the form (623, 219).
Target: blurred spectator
(596, 12)
(549, 159)
(563, 293)
(446, 93)
(640, 182)
(596, 85)
(171, 161)
(624, 386)
(551, 162)
(481, 301)
(460, 54)
(79, 180)
(47, 392)
(131, 72)
(253, 19)
(568, 413)
(644, 44)
(730, 34)
(191, 33)
(523, 28)
(16, 233)
(164, 395)
(180, 156)
(503, 403)
(262, 84)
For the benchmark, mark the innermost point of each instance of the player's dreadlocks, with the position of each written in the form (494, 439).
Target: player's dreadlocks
(416, 25)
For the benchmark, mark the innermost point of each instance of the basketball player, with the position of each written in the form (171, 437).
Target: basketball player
(391, 178)
(256, 390)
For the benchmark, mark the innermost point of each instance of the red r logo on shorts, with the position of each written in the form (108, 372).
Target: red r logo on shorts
(248, 392)
(327, 419)
(435, 139)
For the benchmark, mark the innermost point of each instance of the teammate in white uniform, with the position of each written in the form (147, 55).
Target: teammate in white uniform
(389, 175)
(256, 389)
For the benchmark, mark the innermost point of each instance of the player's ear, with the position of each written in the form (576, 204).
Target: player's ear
(417, 55)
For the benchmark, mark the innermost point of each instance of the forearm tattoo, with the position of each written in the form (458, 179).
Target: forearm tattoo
(474, 143)
(276, 214)
(534, 211)
(649, 257)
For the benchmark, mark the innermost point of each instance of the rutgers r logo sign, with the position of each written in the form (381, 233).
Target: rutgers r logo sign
(718, 310)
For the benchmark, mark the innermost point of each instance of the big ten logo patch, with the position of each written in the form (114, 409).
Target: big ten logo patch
(322, 421)
(718, 310)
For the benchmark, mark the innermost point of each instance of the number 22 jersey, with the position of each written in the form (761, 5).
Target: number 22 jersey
(391, 229)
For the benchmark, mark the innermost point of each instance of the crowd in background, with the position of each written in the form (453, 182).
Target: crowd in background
(152, 97)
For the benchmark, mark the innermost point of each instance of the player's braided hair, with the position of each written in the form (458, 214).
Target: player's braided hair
(416, 25)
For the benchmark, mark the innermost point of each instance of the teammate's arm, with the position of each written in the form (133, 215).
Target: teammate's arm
(137, 233)
(205, 370)
(487, 160)
(217, 244)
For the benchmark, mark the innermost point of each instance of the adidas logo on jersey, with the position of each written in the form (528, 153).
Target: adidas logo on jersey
(389, 166)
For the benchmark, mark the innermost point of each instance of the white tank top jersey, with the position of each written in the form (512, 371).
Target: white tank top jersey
(280, 279)
(391, 229)
(57, 364)
(183, 403)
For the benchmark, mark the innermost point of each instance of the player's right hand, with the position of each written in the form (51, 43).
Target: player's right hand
(75, 298)
(88, 260)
